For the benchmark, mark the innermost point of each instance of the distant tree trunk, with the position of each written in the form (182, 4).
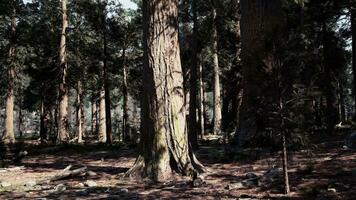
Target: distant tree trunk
(94, 115)
(102, 107)
(20, 114)
(216, 79)
(342, 107)
(193, 133)
(330, 87)
(63, 135)
(107, 94)
(9, 134)
(43, 131)
(125, 96)
(201, 102)
(260, 19)
(79, 112)
(164, 139)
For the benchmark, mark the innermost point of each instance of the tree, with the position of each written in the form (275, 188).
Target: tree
(353, 33)
(63, 135)
(260, 19)
(9, 134)
(164, 142)
(102, 105)
(193, 132)
(216, 75)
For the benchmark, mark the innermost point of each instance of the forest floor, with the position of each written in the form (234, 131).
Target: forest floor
(326, 172)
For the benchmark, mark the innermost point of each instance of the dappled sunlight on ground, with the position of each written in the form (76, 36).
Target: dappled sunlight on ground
(327, 172)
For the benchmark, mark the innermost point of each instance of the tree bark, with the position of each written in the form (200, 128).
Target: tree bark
(63, 135)
(9, 134)
(164, 139)
(216, 79)
(125, 96)
(102, 107)
(80, 113)
(201, 103)
(193, 133)
(342, 107)
(353, 30)
(94, 115)
(259, 20)
(107, 93)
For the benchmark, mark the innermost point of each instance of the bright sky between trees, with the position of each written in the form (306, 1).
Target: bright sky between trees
(126, 4)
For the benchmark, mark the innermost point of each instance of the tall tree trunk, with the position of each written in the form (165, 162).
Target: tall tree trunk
(193, 133)
(164, 139)
(201, 102)
(63, 135)
(107, 93)
(102, 106)
(216, 79)
(330, 88)
(259, 19)
(9, 134)
(125, 96)
(94, 115)
(79, 112)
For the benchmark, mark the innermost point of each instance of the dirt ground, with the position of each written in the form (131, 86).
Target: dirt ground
(328, 172)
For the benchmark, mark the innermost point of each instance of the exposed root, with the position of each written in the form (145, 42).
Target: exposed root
(136, 172)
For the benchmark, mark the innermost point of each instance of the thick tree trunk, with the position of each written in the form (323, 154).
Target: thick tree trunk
(353, 28)
(216, 80)
(259, 19)
(164, 139)
(201, 103)
(125, 96)
(102, 107)
(193, 132)
(94, 115)
(80, 113)
(9, 134)
(63, 135)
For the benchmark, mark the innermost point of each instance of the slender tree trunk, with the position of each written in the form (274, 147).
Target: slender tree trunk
(43, 131)
(193, 133)
(102, 107)
(285, 165)
(79, 112)
(342, 106)
(20, 122)
(20, 114)
(63, 135)
(9, 134)
(125, 96)
(201, 102)
(332, 114)
(216, 79)
(94, 116)
(164, 139)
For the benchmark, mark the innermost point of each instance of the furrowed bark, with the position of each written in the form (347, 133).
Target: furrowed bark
(62, 132)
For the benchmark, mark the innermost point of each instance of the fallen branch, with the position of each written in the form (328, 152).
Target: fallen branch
(65, 173)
